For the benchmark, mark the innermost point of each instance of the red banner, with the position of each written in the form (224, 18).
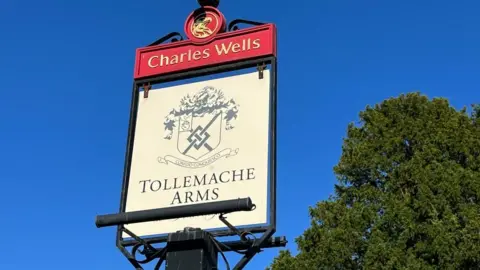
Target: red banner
(227, 47)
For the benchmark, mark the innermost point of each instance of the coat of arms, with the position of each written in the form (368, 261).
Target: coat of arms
(199, 122)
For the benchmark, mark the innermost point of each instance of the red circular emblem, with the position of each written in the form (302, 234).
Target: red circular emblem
(204, 23)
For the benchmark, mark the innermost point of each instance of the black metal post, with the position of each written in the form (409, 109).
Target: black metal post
(191, 249)
(213, 3)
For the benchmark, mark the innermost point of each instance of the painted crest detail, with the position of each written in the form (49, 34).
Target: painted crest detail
(204, 23)
(200, 122)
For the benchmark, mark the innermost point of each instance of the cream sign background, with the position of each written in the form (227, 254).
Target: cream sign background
(197, 143)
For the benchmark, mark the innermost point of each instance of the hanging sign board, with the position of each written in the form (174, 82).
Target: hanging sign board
(205, 141)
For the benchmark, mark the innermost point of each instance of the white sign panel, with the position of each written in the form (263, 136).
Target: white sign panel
(201, 142)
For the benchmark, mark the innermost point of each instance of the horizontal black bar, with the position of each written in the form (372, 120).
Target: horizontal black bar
(222, 207)
(279, 241)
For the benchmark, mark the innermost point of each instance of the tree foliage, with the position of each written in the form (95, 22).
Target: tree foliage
(408, 193)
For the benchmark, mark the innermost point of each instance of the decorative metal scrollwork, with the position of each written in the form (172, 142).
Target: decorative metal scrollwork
(150, 254)
(148, 251)
(176, 36)
(233, 25)
(172, 37)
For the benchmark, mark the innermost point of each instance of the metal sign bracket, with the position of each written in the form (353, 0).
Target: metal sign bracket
(202, 243)
(146, 89)
(261, 67)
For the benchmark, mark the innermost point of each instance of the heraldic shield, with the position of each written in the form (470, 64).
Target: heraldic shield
(200, 134)
(200, 120)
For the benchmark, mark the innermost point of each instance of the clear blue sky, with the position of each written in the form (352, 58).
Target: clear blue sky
(66, 70)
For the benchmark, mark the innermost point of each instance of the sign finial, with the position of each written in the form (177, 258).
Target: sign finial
(212, 3)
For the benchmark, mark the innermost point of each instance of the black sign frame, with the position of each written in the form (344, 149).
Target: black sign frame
(261, 64)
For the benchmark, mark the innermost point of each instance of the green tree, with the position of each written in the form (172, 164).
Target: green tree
(408, 193)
